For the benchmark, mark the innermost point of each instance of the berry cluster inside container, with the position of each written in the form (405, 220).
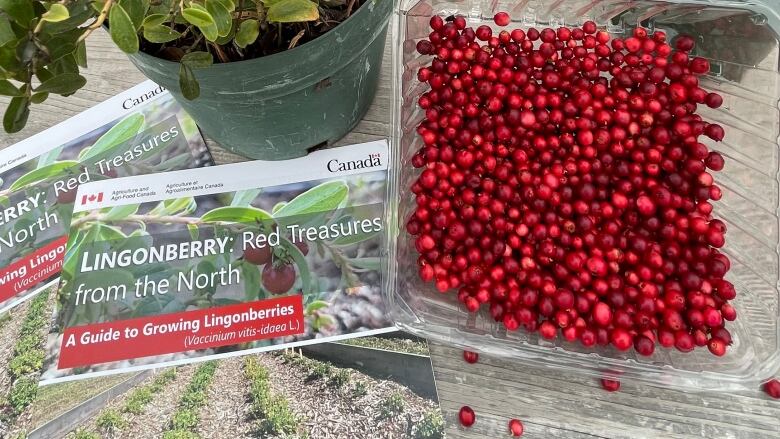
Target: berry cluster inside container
(568, 183)
(565, 187)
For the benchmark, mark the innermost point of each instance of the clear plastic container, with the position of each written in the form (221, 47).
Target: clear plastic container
(740, 39)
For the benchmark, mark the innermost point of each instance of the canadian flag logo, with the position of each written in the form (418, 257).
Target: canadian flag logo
(92, 198)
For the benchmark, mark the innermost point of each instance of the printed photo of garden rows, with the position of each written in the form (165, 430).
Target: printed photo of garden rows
(186, 278)
(375, 387)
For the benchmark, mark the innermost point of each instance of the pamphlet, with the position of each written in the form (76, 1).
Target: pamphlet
(198, 264)
(140, 131)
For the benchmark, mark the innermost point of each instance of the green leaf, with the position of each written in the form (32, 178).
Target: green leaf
(154, 20)
(60, 47)
(16, 114)
(176, 162)
(50, 157)
(278, 206)
(316, 306)
(190, 88)
(245, 197)
(38, 98)
(21, 11)
(228, 4)
(300, 261)
(221, 15)
(79, 13)
(56, 13)
(198, 15)
(122, 29)
(75, 242)
(124, 130)
(121, 212)
(237, 215)
(325, 197)
(354, 238)
(251, 279)
(175, 206)
(136, 9)
(194, 231)
(6, 32)
(322, 321)
(43, 75)
(223, 301)
(197, 60)
(227, 39)
(210, 32)
(9, 63)
(104, 278)
(161, 6)
(153, 305)
(293, 11)
(66, 64)
(160, 34)
(8, 89)
(110, 233)
(81, 54)
(64, 84)
(247, 33)
(53, 170)
(367, 263)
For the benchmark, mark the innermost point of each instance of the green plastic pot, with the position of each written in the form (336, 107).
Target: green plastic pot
(284, 105)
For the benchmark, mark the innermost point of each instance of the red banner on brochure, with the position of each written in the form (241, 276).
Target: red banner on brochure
(32, 269)
(179, 332)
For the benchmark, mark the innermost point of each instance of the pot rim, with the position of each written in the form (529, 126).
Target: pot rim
(309, 44)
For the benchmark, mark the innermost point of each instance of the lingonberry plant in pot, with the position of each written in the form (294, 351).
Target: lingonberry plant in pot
(268, 79)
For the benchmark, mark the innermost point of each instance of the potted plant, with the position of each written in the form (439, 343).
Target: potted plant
(267, 79)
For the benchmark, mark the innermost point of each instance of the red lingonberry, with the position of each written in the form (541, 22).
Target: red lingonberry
(589, 27)
(772, 388)
(644, 346)
(717, 346)
(684, 43)
(610, 385)
(501, 18)
(467, 416)
(470, 357)
(713, 100)
(621, 339)
(516, 427)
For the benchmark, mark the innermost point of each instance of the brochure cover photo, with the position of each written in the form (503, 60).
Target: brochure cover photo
(196, 264)
(377, 387)
(140, 131)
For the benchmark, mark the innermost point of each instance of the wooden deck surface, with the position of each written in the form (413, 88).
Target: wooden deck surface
(551, 404)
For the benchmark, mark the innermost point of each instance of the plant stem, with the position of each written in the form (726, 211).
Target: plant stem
(38, 26)
(197, 41)
(98, 22)
(349, 7)
(172, 14)
(146, 219)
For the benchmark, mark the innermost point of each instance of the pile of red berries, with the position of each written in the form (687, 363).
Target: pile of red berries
(564, 185)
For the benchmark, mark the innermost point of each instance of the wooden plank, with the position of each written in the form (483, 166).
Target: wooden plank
(550, 403)
(68, 421)
(569, 405)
